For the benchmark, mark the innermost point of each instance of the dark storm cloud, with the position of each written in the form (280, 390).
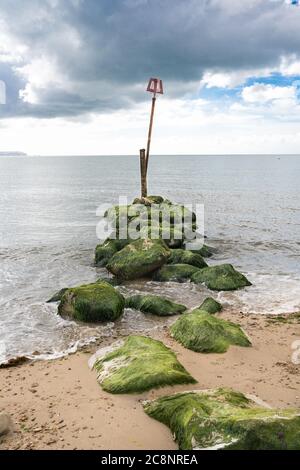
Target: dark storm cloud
(104, 50)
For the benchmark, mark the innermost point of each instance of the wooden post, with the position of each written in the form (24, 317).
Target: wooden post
(150, 131)
(143, 167)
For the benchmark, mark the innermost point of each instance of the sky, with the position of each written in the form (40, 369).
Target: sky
(73, 76)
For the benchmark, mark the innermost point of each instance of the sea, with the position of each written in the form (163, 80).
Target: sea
(48, 220)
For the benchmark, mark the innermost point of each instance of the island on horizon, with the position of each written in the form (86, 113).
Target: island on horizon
(13, 154)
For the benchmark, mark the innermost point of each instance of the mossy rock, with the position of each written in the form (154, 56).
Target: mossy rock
(205, 251)
(202, 332)
(173, 237)
(117, 212)
(98, 302)
(210, 305)
(138, 259)
(57, 296)
(155, 305)
(147, 201)
(107, 249)
(175, 273)
(138, 364)
(113, 281)
(180, 256)
(221, 277)
(104, 252)
(225, 419)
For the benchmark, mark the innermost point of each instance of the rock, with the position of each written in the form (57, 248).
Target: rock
(205, 251)
(98, 302)
(14, 362)
(139, 259)
(104, 252)
(113, 281)
(138, 364)
(202, 332)
(115, 213)
(221, 277)
(57, 297)
(147, 201)
(179, 256)
(171, 236)
(154, 304)
(107, 249)
(175, 273)
(5, 424)
(210, 305)
(225, 419)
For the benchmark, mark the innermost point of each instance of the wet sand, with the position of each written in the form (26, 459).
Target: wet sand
(59, 404)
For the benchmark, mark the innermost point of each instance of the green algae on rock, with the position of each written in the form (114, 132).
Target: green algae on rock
(137, 364)
(221, 277)
(98, 302)
(202, 332)
(175, 273)
(107, 249)
(210, 305)
(113, 281)
(155, 305)
(147, 201)
(104, 252)
(205, 251)
(171, 236)
(179, 256)
(225, 419)
(57, 296)
(138, 259)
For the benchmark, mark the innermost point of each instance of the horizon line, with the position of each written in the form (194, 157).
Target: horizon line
(158, 155)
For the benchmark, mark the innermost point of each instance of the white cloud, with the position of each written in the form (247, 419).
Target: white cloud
(180, 127)
(11, 51)
(263, 93)
(290, 65)
(39, 73)
(287, 66)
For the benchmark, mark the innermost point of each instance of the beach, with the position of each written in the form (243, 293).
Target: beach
(58, 404)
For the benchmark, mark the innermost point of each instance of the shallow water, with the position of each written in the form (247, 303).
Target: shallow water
(48, 234)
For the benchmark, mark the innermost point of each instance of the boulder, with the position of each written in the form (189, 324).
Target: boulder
(175, 273)
(221, 277)
(113, 281)
(202, 332)
(138, 259)
(210, 305)
(179, 256)
(107, 249)
(225, 419)
(137, 364)
(155, 305)
(98, 302)
(147, 201)
(205, 251)
(57, 296)
(172, 237)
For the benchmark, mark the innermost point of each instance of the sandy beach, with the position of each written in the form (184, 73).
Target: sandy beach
(59, 404)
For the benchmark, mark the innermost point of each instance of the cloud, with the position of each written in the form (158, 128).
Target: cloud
(262, 93)
(72, 57)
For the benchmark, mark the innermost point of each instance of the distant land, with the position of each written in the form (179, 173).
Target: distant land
(13, 154)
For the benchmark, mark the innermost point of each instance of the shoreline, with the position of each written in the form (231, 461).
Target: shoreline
(59, 404)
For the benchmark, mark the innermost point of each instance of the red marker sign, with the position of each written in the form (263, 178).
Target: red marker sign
(155, 86)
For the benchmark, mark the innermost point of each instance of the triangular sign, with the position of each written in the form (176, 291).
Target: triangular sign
(155, 86)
